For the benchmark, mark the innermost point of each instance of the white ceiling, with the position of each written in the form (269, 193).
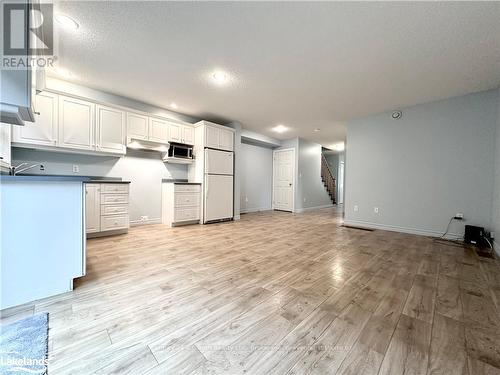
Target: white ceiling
(306, 65)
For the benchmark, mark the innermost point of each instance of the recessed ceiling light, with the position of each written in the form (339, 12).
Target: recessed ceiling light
(280, 128)
(338, 146)
(220, 77)
(317, 130)
(173, 105)
(66, 22)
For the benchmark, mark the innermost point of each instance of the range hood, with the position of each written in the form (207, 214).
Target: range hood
(141, 144)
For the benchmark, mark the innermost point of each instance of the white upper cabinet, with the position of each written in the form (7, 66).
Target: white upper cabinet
(181, 133)
(44, 130)
(175, 132)
(226, 139)
(158, 130)
(188, 135)
(211, 136)
(5, 135)
(219, 138)
(137, 126)
(110, 130)
(76, 123)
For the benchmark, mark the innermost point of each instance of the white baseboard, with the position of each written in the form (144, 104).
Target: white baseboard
(395, 228)
(300, 210)
(134, 223)
(249, 210)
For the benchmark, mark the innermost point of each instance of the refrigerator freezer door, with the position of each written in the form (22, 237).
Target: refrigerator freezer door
(218, 162)
(218, 197)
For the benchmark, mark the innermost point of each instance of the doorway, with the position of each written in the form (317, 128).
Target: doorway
(284, 179)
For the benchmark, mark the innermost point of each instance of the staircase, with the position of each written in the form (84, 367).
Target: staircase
(328, 179)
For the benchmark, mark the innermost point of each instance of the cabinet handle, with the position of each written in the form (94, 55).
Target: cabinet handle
(37, 113)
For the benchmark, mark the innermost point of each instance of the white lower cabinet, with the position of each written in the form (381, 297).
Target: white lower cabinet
(92, 208)
(5, 150)
(180, 203)
(107, 207)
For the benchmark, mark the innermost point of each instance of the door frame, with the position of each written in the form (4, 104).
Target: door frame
(293, 177)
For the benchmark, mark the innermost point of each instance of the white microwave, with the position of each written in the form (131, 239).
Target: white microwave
(178, 150)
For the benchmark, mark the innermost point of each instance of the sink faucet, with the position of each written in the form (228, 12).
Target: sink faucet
(15, 170)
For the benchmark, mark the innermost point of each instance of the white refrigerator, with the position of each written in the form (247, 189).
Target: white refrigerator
(218, 194)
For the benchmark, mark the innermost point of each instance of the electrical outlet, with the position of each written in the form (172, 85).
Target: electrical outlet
(375, 209)
(145, 218)
(76, 168)
(356, 208)
(246, 199)
(304, 199)
(459, 216)
(42, 167)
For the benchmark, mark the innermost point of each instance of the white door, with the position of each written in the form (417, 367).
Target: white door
(226, 140)
(137, 126)
(158, 130)
(283, 179)
(76, 123)
(92, 208)
(218, 197)
(175, 133)
(110, 130)
(5, 152)
(44, 130)
(211, 136)
(218, 162)
(188, 137)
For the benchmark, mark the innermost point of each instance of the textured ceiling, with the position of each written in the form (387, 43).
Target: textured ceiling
(306, 65)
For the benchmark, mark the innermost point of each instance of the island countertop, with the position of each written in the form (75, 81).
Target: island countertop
(63, 178)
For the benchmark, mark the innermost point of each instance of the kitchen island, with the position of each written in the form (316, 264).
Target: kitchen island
(42, 236)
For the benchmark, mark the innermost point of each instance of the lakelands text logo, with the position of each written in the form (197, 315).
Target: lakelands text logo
(27, 35)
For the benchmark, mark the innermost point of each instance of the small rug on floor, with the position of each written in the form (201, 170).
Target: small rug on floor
(24, 346)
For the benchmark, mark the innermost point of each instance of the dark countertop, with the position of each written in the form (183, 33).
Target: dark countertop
(179, 181)
(53, 177)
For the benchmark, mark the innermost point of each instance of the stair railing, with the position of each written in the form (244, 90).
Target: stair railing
(328, 179)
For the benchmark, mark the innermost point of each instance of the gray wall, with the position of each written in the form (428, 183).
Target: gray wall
(312, 192)
(422, 169)
(309, 189)
(256, 178)
(144, 169)
(496, 193)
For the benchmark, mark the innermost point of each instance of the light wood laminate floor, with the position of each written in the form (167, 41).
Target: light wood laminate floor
(275, 293)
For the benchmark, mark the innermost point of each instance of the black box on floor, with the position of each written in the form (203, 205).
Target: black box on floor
(473, 235)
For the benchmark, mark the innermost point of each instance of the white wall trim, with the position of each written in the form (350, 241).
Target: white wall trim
(258, 209)
(134, 223)
(395, 228)
(300, 210)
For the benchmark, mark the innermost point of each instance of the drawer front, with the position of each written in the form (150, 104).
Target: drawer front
(108, 209)
(114, 222)
(187, 188)
(114, 188)
(186, 214)
(114, 198)
(187, 199)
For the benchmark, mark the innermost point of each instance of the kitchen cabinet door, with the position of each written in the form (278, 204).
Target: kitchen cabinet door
(211, 136)
(158, 130)
(110, 130)
(76, 123)
(188, 137)
(5, 135)
(226, 140)
(137, 126)
(175, 133)
(44, 130)
(92, 208)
